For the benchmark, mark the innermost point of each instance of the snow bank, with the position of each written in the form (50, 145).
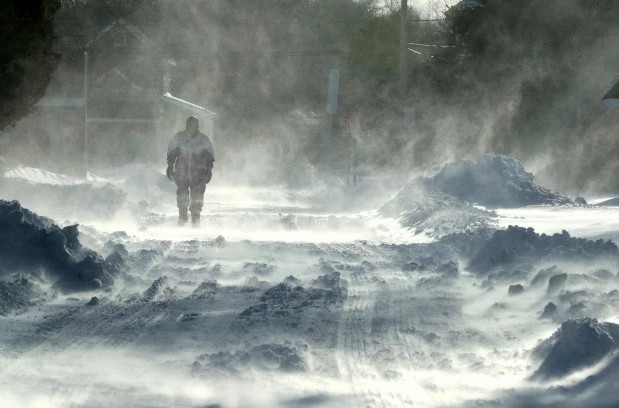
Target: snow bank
(576, 345)
(495, 181)
(446, 203)
(40, 176)
(16, 293)
(518, 246)
(284, 299)
(287, 357)
(436, 214)
(61, 196)
(296, 307)
(35, 245)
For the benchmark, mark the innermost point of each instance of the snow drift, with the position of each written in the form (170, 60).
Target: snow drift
(34, 245)
(495, 181)
(286, 357)
(581, 344)
(285, 300)
(446, 203)
(576, 345)
(16, 292)
(517, 246)
(436, 214)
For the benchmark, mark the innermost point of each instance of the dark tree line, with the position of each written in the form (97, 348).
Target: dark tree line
(26, 55)
(541, 69)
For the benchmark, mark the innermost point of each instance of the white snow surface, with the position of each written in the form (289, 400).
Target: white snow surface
(298, 298)
(40, 176)
(62, 197)
(585, 222)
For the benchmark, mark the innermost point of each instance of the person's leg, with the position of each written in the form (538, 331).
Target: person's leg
(182, 200)
(197, 199)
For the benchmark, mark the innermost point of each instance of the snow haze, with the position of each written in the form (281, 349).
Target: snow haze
(449, 244)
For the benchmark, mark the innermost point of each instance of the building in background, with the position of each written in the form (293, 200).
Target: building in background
(109, 102)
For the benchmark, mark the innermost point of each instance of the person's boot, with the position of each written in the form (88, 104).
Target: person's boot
(195, 220)
(182, 218)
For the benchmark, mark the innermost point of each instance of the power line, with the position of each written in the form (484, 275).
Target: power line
(278, 53)
(432, 45)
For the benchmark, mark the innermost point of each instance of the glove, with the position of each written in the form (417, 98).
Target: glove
(170, 173)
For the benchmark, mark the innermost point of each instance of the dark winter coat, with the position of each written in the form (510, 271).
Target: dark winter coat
(191, 158)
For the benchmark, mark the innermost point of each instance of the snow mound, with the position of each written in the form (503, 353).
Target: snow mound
(576, 345)
(283, 299)
(206, 289)
(16, 294)
(550, 310)
(518, 246)
(495, 181)
(285, 357)
(257, 268)
(156, 288)
(61, 196)
(296, 307)
(33, 244)
(447, 203)
(436, 214)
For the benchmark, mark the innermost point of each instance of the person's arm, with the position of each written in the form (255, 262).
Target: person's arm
(209, 155)
(209, 148)
(173, 152)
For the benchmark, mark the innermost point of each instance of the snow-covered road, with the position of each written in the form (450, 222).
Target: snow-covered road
(280, 299)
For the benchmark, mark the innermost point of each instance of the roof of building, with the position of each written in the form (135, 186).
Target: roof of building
(188, 106)
(132, 30)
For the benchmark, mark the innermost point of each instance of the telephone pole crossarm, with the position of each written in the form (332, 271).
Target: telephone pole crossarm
(403, 50)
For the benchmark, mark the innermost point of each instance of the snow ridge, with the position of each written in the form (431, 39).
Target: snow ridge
(495, 181)
(35, 245)
(448, 202)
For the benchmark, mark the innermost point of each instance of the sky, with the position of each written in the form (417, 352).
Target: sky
(428, 8)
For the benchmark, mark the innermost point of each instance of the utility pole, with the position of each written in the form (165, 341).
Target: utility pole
(85, 159)
(334, 89)
(403, 51)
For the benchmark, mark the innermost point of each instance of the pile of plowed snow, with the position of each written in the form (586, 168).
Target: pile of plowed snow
(517, 247)
(436, 214)
(60, 196)
(576, 345)
(286, 357)
(34, 246)
(447, 202)
(16, 292)
(495, 181)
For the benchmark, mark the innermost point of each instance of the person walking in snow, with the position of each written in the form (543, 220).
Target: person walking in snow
(190, 164)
